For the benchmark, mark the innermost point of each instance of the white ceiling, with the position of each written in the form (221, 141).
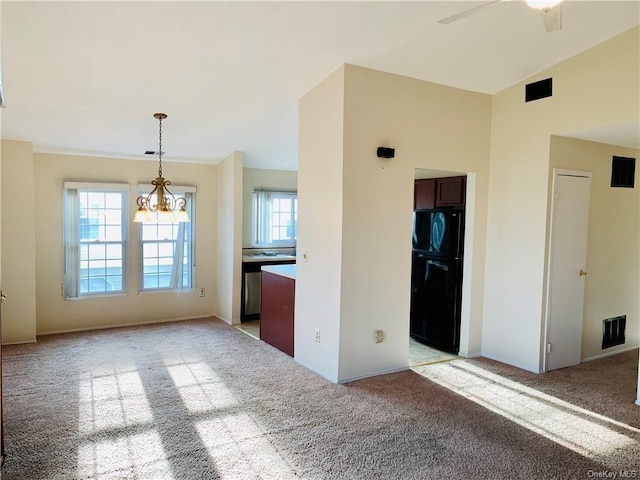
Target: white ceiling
(86, 77)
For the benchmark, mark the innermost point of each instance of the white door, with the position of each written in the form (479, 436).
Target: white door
(567, 267)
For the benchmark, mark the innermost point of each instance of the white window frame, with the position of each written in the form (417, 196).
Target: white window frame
(189, 193)
(262, 217)
(73, 243)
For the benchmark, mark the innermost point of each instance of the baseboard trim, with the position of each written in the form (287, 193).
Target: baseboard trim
(315, 370)
(470, 355)
(233, 322)
(123, 325)
(22, 342)
(374, 374)
(225, 320)
(509, 361)
(352, 379)
(608, 354)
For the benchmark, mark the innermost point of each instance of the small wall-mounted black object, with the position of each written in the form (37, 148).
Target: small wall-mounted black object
(537, 90)
(386, 152)
(623, 172)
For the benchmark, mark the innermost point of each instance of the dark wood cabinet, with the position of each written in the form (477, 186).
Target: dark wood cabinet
(424, 194)
(450, 191)
(277, 309)
(439, 192)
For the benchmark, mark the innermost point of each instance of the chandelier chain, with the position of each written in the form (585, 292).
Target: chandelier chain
(160, 200)
(160, 152)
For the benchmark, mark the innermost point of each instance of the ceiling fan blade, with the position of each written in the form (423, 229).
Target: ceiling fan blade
(468, 13)
(553, 18)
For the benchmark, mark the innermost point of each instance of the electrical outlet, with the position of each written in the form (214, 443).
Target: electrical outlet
(317, 335)
(378, 336)
(201, 293)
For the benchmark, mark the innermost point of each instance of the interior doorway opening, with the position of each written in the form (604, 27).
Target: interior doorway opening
(439, 312)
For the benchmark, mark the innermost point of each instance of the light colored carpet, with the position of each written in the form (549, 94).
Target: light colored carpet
(201, 400)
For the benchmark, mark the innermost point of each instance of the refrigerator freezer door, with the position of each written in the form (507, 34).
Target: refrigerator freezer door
(438, 232)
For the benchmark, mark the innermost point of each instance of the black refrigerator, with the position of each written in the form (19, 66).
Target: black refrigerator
(436, 277)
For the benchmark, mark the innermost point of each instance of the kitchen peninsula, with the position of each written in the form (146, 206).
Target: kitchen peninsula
(253, 260)
(278, 301)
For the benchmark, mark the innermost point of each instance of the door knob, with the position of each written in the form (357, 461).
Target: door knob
(583, 273)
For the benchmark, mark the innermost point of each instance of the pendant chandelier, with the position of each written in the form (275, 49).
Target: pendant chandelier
(161, 201)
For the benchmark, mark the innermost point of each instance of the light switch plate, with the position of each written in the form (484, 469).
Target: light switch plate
(378, 335)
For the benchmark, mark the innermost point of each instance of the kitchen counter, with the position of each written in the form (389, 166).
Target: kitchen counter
(288, 271)
(256, 257)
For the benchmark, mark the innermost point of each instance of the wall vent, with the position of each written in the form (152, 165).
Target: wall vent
(613, 331)
(623, 172)
(537, 90)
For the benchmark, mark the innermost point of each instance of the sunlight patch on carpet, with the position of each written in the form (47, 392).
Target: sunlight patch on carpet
(112, 399)
(131, 456)
(585, 432)
(200, 387)
(240, 449)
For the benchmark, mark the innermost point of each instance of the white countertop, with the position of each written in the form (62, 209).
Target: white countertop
(288, 271)
(267, 258)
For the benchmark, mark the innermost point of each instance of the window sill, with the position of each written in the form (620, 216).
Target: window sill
(165, 290)
(97, 295)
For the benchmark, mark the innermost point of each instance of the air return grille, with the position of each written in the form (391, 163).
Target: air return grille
(623, 172)
(613, 331)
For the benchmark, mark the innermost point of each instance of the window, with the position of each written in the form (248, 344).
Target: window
(95, 238)
(275, 214)
(167, 251)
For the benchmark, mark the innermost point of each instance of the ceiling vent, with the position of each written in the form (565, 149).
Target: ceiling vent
(623, 172)
(537, 90)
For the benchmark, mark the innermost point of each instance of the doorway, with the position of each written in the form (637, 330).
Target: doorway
(440, 286)
(567, 268)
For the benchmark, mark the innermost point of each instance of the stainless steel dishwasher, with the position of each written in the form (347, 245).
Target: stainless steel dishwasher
(252, 293)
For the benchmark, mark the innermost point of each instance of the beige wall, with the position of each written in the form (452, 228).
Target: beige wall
(258, 177)
(613, 282)
(19, 243)
(229, 229)
(598, 87)
(432, 127)
(56, 314)
(360, 208)
(1, 300)
(320, 191)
